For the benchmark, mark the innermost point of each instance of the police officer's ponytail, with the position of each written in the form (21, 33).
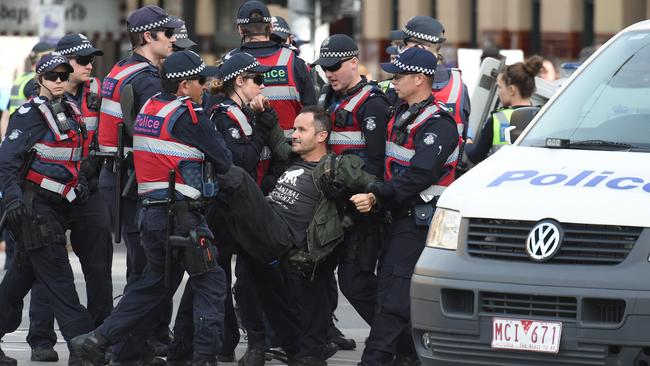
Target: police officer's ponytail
(522, 75)
(218, 86)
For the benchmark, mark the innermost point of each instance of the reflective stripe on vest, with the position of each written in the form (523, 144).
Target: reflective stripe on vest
(59, 188)
(500, 124)
(155, 156)
(58, 153)
(349, 137)
(110, 111)
(451, 96)
(18, 96)
(282, 94)
(235, 113)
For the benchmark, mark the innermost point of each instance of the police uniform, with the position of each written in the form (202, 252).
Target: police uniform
(172, 133)
(138, 72)
(90, 234)
(23, 87)
(359, 117)
(494, 134)
(40, 208)
(288, 84)
(421, 153)
(448, 87)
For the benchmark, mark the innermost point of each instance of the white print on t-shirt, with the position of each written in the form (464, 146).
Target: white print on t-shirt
(291, 176)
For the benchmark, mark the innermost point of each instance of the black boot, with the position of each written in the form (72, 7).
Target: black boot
(255, 352)
(335, 336)
(330, 350)
(6, 360)
(90, 347)
(43, 354)
(410, 360)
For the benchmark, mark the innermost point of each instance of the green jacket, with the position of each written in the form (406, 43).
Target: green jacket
(325, 230)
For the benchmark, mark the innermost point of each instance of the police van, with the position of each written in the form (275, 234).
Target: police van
(540, 255)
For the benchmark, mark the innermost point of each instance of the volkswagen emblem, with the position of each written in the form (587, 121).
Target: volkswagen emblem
(544, 240)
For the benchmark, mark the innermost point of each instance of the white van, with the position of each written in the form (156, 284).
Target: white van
(540, 255)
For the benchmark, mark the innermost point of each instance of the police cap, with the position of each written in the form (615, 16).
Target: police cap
(183, 40)
(251, 7)
(240, 63)
(281, 27)
(50, 62)
(76, 45)
(392, 50)
(422, 27)
(412, 61)
(150, 17)
(336, 48)
(185, 65)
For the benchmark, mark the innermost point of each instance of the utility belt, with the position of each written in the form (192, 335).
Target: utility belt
(422, 213)
(39, 230)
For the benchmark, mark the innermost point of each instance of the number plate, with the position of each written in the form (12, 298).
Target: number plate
(526, 335)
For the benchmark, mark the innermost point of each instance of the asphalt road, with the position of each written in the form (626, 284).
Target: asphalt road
(14, 344)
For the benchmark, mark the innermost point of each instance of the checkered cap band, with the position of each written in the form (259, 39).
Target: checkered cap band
(73, 50)
(417, 69)
(186, 73)
(277, 28)
(340, 54)
(54, 60)
(248, 20)
(181, 36)
(150, 26)
(234, 74)
(426, 37)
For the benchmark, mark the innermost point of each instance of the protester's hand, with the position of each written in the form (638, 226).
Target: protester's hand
(363, 201)
(258, 103)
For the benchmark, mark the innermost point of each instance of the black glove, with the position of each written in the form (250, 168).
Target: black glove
(268, 118)
(379, 189)
(332, 188)
(82, 190)
(16, 213)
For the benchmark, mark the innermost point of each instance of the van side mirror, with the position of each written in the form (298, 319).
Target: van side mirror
(520, 118)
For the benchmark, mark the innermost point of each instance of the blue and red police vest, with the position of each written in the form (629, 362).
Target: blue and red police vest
(58, 154)
(451, 95)
(156, 151)
(90, 117)
(349, 138)
(280, 87)
(398, 156)
(110, 113)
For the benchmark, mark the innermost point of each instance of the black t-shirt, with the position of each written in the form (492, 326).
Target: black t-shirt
(295, 197)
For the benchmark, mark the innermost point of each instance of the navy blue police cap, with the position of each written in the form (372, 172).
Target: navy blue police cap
(183, 40)
(281, 27)
(238, 64)
(76, 45)
(186, 65)
(50, 62)
(414, 60)
(392, 50)
(40, 49)
(251, 7)
(421, 27)
(336, 48)
(150, 17)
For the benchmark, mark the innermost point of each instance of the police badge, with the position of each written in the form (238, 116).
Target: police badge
(430, 138)
(234, 133)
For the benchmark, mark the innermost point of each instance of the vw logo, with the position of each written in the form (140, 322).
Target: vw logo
(544, 240)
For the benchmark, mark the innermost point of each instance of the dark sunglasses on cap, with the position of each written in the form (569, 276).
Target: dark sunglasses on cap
(84, 60)
(53, 75)
(257, 78)
(336, 66)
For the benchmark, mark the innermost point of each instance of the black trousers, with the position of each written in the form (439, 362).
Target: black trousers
(50, 266)
(90, 237)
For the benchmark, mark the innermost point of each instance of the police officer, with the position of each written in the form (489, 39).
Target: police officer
(448, 87)
(41, 184)
(288, 84)
(183, 41)
(246, 123)
(151, 32)
(90, 235)
(172, 133)
(421, 152)
(359, 111)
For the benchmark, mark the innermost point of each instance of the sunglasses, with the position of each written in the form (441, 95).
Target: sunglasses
(53, 75)
(257, 78)
(398, 77)
(336, 66)
(84, 60)
(168, 32)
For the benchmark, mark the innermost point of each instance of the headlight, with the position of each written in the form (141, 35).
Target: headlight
(443, 232)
